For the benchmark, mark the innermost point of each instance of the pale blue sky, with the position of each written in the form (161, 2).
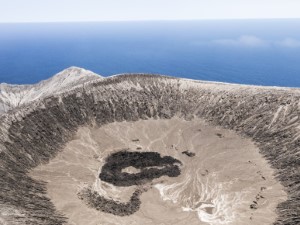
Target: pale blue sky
(123, 10)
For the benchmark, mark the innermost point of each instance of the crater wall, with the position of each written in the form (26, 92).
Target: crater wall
(35, 133)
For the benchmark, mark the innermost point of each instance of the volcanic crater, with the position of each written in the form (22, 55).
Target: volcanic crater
(150, 149)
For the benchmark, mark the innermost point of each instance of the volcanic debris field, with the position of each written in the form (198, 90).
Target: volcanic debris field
(240, 166)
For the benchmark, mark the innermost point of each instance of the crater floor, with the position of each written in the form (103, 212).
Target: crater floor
(223, 180)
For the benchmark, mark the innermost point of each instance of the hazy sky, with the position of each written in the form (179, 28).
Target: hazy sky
(103, 10)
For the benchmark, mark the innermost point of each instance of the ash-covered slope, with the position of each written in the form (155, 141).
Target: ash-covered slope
(35, 133)
(12, 96)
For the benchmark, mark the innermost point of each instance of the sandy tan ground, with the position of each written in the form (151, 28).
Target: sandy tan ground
(217, 186)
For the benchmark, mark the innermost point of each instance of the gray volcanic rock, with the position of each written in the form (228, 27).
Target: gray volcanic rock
(35, 133)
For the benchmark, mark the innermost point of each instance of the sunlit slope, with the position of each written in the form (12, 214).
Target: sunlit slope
(12, 96)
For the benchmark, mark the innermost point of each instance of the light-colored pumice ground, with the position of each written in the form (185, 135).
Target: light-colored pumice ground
(216, 186)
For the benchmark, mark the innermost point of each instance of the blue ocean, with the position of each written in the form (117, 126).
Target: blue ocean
(259, 52)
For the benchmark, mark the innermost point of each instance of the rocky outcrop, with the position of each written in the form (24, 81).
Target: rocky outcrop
(34, 133)
(188, 153)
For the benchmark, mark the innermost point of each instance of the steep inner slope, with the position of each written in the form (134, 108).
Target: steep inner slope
(36, 133)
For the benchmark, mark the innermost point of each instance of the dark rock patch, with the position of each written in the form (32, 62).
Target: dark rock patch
(219, 135)
(94, 200)
(188, 153)
(253, 206)
(151, 164)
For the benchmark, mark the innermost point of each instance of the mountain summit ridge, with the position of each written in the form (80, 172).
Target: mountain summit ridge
(12, 95)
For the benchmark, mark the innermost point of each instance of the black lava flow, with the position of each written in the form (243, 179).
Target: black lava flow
(150, 165)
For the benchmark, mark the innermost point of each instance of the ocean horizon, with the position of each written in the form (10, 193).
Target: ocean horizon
(255, 52)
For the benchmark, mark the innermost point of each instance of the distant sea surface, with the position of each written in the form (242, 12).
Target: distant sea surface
(259, 52)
